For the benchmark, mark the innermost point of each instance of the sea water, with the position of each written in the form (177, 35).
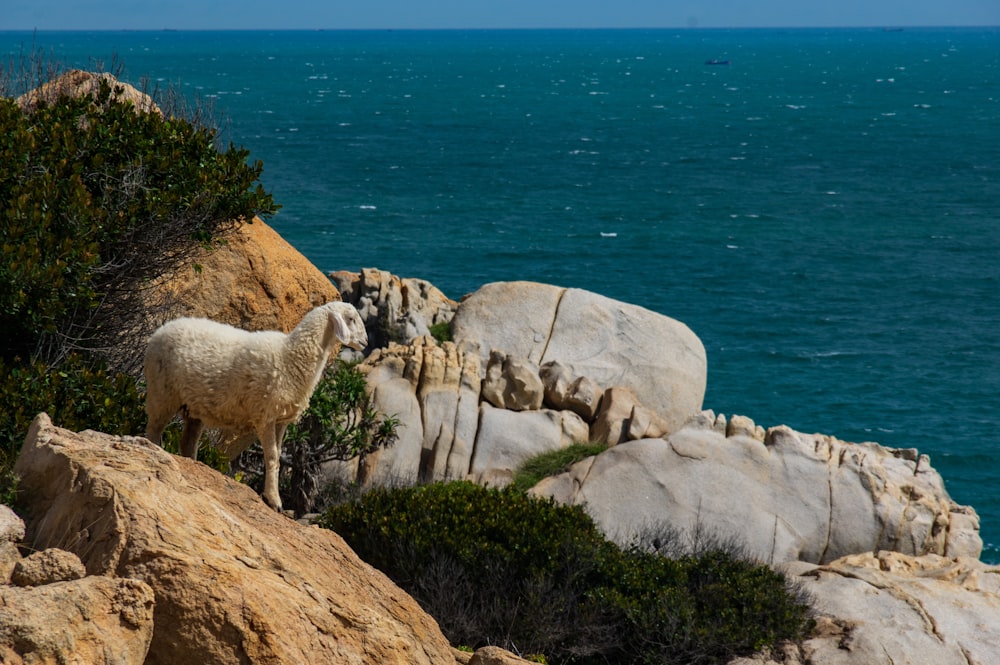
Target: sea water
(823, 210)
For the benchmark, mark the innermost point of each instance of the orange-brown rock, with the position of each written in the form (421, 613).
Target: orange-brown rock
(234, 581)
(253, 280)
(95, 620)
(78, 83)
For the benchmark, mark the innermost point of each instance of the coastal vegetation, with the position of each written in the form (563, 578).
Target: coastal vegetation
(496, 566)
(97, 203)
(556, 461)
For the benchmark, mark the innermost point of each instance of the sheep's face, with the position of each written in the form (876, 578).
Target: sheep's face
(348, 326)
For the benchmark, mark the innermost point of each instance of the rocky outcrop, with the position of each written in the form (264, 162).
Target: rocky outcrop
(95, 620)
(611, 342)
(51, 613)
(234, 582)
(394, 309)
(890, 608)
(478, 407)
(253, 280)
(11, 533)
(78, 83)
(790, 496)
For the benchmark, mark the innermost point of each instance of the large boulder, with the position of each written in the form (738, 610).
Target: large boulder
(234, 581)
(611, 342)
(252, 280)
(790, 497)
(889, 608)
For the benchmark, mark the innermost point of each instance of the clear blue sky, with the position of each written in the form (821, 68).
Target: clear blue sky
(408, 14)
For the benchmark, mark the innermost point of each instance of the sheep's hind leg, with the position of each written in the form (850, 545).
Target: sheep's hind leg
(270, 443)
(190, 437)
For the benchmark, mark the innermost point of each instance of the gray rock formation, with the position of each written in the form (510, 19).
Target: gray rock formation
(790, 497)
(447, 430)
(394, 309)
(611, 342)
(568, 392)
(512, 383)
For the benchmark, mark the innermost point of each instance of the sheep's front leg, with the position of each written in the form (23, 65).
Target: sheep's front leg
(270, 443)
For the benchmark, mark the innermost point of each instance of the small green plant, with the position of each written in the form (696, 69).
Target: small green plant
(532, 471)
(441, 331)
(341, 423)
(9, 491)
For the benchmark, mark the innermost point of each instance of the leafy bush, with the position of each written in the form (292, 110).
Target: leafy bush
(97, 202)
(79, 394)
(341, 423)
(495, 566)
(531, 472)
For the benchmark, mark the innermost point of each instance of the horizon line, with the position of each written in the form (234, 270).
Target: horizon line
(696, 28)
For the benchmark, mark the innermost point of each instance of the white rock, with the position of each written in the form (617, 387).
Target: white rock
(801, 497)
(613, 343)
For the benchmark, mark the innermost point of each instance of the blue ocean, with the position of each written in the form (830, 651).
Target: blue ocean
(822, 207)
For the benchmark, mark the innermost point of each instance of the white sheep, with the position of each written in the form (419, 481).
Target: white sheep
(246, 383)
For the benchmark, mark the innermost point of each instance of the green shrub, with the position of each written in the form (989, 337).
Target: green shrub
(531, 472)
(495, 566)
(341, 423)
(79, 394)
(97, 202)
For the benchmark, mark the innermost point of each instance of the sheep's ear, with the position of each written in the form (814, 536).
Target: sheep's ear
(348, 327)
(340, 327)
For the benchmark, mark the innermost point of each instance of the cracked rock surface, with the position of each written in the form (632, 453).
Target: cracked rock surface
(790, 497)
(890, 608)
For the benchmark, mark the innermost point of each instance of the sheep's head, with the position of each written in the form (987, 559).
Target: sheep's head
(347, 325)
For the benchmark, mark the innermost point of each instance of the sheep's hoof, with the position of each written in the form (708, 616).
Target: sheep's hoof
(273, 505)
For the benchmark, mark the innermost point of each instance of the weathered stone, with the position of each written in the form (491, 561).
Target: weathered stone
(611, 426)
(613, 343)
(807, 497)
(254, 280)
(78, 83)
(892, 608)
(512, 383)
(434, 392)
(495, 656)
(235, 582)
(744, 426)
(47, 567)
(506, 439)
(394, 309)
(566, 392)
(95, 620)
(11, 534)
